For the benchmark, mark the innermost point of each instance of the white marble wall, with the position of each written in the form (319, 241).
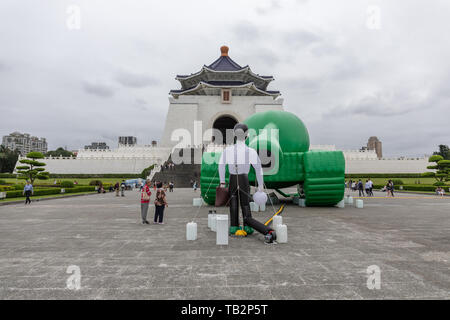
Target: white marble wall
(386, 166)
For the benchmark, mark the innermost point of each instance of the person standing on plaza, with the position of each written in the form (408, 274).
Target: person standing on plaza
(160, 204)
(145, 200)
(360, 188)
(171, 186)
(122, 188)
(367, 187)
(371, 187)
(117, 187)
(28, 191)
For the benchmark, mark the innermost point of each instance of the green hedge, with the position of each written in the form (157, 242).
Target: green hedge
(8, 175)
(6, 188)
(48, 191)
(412, 187)
(67, 184)
(384, 175)
(106, 175)
(80, 176)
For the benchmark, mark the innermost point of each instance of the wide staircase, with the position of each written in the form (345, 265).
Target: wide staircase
(180, 174)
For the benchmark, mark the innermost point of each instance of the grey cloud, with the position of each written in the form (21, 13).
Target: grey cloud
(135, 80)
(380, 104)
(98, 89)
(246, 31)
(301, 38)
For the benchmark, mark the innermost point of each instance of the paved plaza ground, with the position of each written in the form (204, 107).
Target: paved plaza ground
(327, 256)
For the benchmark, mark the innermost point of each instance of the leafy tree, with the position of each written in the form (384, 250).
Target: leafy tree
(60, 152)
(146, 171)
(444, 151)
(32, 169)
(8, 159)
(442, 168)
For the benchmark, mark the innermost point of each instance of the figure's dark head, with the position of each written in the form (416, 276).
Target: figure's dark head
(240, 131)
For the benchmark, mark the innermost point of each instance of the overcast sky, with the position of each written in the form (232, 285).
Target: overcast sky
(347, 74)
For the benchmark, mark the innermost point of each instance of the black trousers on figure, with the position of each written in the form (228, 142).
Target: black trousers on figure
(27, 195)
(239, 190)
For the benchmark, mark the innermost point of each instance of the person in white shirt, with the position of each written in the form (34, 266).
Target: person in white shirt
(239, 157)
(367, 187)
(371, 187)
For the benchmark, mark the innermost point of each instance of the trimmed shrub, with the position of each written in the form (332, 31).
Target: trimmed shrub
(8, 175)
(397, 181)
(95, 182)
(80, 189)
(384, 175)
(18, 186)
(88, 175)
(48, 191)
(2, 182)
(66, 184)
(6, 188)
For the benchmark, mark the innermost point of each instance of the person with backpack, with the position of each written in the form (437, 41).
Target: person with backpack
(145, 200)
(160, 204)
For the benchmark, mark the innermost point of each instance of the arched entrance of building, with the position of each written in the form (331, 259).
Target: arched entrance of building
(222, 124)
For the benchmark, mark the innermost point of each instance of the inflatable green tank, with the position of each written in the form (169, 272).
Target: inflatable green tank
(282, 141)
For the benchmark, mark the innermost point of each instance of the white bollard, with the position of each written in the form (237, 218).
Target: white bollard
(350, 200)
(282, 236)
(213, 222)
(197, 202)
(222, 229)
(254, 207)
(340, 204)
(191, 231)
(359, 203)
(262, 207)
(301, 203)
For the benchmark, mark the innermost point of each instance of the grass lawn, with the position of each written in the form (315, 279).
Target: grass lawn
(34, 198)
(84, 181)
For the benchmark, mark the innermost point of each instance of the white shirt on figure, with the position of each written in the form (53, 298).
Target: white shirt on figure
(240, 163)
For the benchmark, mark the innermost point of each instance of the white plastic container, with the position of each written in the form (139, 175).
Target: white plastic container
(197, 202)
(262, 207)
(282, 236)
(209, 220)
(350, 200)
(254, 207)
(222, 229)
(301, 203)
(191, 231)
(340, 204)
(277, 220)
(213, 222)
(359, 203)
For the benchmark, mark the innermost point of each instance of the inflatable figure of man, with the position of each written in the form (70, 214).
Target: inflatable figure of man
(239, 157)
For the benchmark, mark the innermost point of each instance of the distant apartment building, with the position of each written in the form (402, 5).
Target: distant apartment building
(127, 141)
(97, 146)
(375, 144)
(24, 143)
